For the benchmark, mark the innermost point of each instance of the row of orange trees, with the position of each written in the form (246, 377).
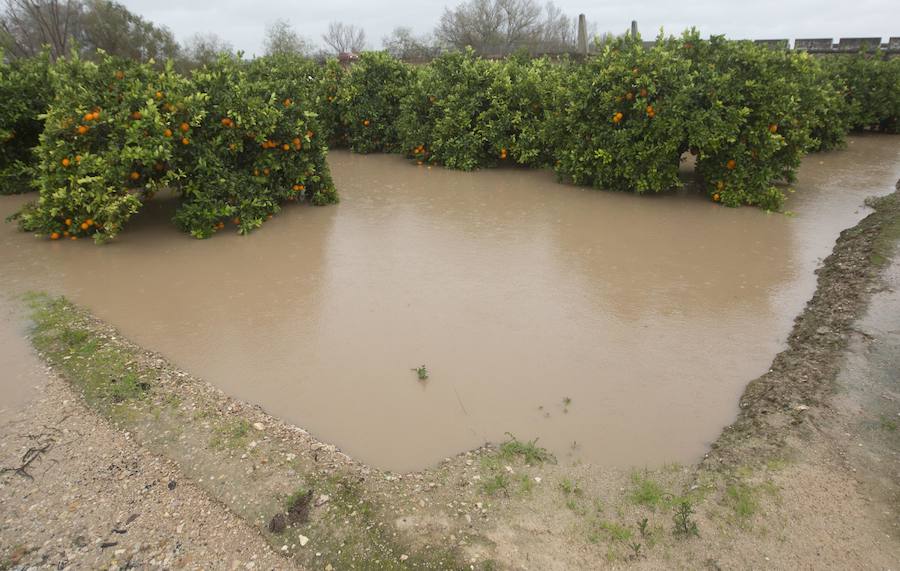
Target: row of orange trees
(236, 141)
(623, 119)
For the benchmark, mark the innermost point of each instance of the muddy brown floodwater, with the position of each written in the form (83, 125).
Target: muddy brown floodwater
(647, 315)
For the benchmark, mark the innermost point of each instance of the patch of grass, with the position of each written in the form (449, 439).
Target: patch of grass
(646, 491)
(888, 237)
(495, 484)
(615, 532)
(231, 434)
(888, 424)
(103, 371)
(421, 372)
(530, 452)
(569, 487)
(742, 498)
(526, 484)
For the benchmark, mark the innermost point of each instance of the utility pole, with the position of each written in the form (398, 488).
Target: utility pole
(582, 35)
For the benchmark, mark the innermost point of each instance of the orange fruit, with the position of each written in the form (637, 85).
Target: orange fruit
(650, 110)
(89, 222)
(366, 123)
(158, 95)
(68, 221)
(81, 130)
(617, 117)
(309, 134)
(54, 236)
(296, 141)
(135, 175)
(65, 162)
(185, 141)
(184, 127)
(731, 164)
(167, 133)
(85, 225)
(88, 116)
(73, 238)
(716, 197)
(136, 115)
(266, 171)
(66, 233)
(78, 159)
(120, 75)
(285, 147)
(773, 128)
(288, 102)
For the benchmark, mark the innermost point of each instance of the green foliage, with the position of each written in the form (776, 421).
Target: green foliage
(236, 141)
(530, 452)
(646, 491)
(25, 95)
(685, 526)
(251, 147)
(103, 145)
(870, 85)
(369, 102)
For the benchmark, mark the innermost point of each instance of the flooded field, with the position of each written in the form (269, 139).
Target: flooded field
(618, 329)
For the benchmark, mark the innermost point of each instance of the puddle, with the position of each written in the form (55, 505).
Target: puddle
(649, 313)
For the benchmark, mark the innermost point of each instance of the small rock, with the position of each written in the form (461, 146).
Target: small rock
(172, 484)
(801, 407)
(259, 426)
(303, 540)
(404, 557)
(322, 500)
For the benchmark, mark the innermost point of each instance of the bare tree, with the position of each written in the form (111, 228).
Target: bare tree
(502, 26)
(281, 38)
(87, 25)
(28, 25)
(111, 27)
(403, 44)
(345, 38)
(202, 49)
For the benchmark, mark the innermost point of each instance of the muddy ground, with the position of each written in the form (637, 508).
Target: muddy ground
(807, 477)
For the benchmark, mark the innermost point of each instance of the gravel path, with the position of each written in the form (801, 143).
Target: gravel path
(92, 499)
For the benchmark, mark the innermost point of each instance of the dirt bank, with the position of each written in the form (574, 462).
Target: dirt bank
(805, 478)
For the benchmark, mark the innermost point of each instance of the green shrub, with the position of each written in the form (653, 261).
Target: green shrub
(871, 88)
(104, 145)
(25, 95)
(370, 102)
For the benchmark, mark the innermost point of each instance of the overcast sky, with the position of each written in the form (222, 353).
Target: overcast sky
(243, 23)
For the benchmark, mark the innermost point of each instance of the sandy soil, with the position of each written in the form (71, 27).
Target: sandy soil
(93, 499)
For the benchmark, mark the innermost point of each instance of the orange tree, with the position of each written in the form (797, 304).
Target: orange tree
(369, 101)
(25, 93)
(253, 146)
(331, 77)
(518, 95)
(619, 120)
(871, 88)
(751, 125)
(105, 145)
(441, 116)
